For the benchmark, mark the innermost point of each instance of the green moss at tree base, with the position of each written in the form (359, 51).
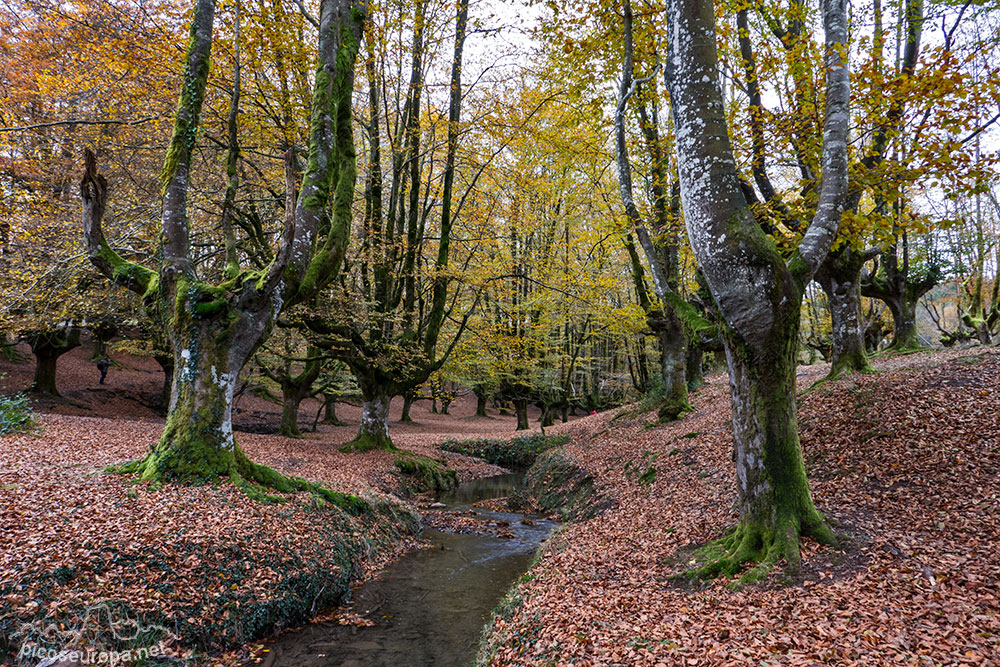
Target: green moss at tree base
(366, 442)
(672, 409)
(257, 481)
(753, 550)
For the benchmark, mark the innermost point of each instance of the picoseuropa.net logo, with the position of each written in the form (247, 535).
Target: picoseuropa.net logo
(52, 643)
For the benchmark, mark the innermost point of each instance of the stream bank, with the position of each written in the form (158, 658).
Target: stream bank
(429, 607)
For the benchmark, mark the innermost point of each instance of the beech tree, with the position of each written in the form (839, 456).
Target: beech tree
(214, 328)
(758, 291)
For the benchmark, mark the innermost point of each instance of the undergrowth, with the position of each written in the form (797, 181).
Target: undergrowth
(517, 453)
(16, 415)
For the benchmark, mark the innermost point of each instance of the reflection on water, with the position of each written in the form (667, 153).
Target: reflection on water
(431, 605)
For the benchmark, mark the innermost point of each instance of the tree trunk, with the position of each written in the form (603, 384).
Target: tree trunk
(166, 362)
(291, 399)
(210, 349)
(330, 411)
(373, 430)
(408, 399)
(548, 416)
(840, 278)
(294, 389)
(673, 369)
(45, 373)
(565, 412)
(695, 373)
(521, 410)
(47, 348)
(481, 404)
(904, 323)
(757, 291)
(775, 505)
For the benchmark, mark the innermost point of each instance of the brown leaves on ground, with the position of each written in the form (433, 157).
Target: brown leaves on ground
(206, 562)
(905, 463)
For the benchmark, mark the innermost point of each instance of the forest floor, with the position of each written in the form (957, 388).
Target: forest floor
(904, 462)
(906, 465)
(208, 563)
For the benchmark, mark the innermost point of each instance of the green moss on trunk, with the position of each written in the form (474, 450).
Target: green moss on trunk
(776, 508)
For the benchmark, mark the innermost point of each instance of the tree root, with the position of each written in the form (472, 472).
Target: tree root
(365, 442)
(763, 547)
(253, 479)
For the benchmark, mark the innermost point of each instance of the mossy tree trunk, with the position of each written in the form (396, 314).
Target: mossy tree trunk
(481, 398)
(47, 347)
(673, 369)
(373, 429)
(197, 442)
(757, 292)
(695, 366)
(773, 491)
(894, 284)
(294, 389)
(521, 411)
(840, 278)
(215, 328)
(330, 410)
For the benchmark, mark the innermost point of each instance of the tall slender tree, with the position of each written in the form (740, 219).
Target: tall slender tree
(757, 290)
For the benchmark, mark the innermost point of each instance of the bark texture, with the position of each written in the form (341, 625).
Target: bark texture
(840, 278)
(758, 293)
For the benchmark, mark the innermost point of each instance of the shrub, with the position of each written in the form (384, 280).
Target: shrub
(514, 453)
(15, 414)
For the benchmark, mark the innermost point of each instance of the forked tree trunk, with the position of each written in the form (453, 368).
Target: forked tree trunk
(215, 328)
(521, 410)
(291, 400)
(840, 278)
(296, 388)
(758, 292)
(47, 348)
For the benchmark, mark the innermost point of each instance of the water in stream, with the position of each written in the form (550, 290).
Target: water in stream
(431, 605)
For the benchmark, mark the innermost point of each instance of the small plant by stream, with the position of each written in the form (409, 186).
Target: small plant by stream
(516, 453)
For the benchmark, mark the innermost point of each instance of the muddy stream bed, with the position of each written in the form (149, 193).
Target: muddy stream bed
(430, 606)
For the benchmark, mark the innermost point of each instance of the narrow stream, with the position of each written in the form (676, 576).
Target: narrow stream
(431, 605)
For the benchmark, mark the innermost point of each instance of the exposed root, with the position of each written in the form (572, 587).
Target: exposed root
(762, 546)
(366, 442)
(253, 479)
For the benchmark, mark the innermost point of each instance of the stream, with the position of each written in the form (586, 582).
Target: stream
(431, 605)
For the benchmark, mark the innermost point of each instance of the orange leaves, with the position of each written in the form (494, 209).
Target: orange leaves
(904, 590)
